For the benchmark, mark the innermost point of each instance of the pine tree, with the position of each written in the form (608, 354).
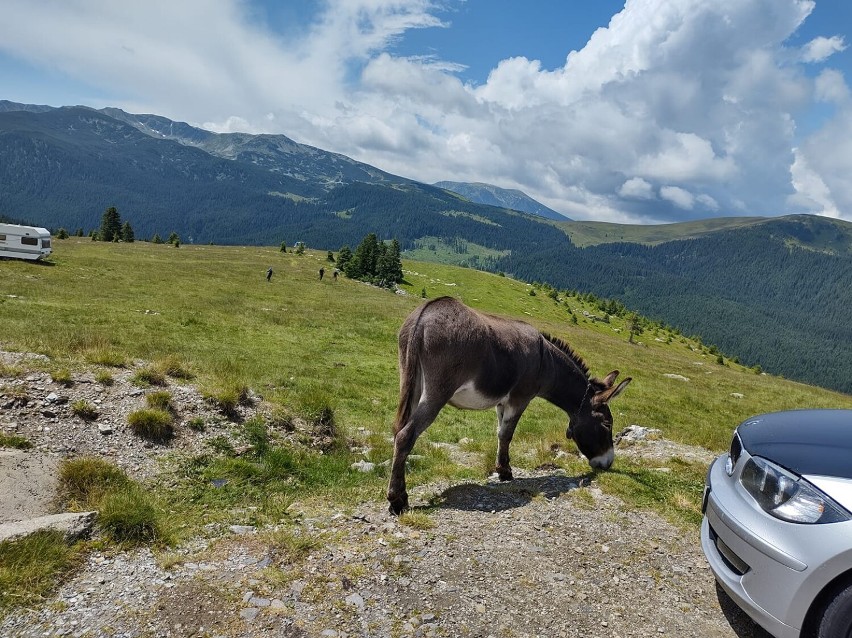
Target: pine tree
(389, 266)
(62, 234)
(127, 233)
(344, 255)
(110, 225)
(363, 262)
(174, 238)
(156, 239)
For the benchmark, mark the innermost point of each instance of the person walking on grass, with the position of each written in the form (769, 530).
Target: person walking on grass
(269, 274)
(322, 272)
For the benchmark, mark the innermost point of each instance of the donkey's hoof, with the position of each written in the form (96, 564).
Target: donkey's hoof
(398, 505)
(504, 474)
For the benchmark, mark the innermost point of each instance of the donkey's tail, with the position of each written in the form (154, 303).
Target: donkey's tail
(410, 340)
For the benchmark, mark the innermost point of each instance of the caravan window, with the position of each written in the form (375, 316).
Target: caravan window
(2, 237)
(29, 241)
(45, 243)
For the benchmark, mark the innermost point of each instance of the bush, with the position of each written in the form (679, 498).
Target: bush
(152, 425)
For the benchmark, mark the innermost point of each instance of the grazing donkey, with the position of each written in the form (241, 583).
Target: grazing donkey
(449, 353)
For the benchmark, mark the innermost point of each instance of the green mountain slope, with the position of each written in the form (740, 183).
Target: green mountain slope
(775, 293)
(769, 291)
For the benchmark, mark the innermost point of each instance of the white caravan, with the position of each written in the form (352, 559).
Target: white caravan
(24, 242)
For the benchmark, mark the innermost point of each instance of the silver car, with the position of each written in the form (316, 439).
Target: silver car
(777, 528)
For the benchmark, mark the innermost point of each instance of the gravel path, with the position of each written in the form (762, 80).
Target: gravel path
(543, 555)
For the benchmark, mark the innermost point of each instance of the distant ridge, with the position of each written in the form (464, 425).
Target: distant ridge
(491, 195)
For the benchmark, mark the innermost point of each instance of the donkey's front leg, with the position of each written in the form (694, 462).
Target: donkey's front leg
(507, 419)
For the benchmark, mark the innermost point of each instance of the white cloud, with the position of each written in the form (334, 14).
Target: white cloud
(821, 48)
(830, 86)
(695, 101)
(636, 188)
(678, 196)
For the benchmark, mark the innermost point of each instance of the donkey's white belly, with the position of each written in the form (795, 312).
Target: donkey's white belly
(468, 398)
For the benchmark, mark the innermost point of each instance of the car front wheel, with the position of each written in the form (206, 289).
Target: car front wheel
(836, 621)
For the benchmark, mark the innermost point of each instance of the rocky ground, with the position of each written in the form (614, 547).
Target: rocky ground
(540, 556)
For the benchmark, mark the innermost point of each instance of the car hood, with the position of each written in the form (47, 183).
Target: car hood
(807, 442)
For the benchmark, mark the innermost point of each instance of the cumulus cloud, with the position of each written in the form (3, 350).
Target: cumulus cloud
(821, 48)
(636, 188)
(676, 109)
(678, 196)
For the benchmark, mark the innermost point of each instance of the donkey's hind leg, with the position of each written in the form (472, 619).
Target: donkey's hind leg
(404, 440)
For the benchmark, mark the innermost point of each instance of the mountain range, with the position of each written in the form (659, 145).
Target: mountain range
(771, 291)
(503, 197)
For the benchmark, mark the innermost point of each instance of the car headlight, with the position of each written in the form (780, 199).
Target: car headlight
(787, 496)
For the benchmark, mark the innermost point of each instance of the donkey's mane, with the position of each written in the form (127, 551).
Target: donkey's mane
(568, 352)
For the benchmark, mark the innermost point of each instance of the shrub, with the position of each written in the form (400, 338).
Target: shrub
(84, 481)
(152, 425)
(84, 410)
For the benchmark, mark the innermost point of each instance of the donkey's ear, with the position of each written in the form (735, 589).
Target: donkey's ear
(608, 395)
(610, 378)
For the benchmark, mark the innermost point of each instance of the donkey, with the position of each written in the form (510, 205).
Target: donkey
(450, 353)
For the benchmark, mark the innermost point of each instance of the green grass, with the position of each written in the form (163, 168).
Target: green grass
(15, 441)
(152, 424)
(325, 352)
(127, 513)
(30, 568)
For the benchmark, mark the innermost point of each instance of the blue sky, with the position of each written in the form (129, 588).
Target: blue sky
(643, 111)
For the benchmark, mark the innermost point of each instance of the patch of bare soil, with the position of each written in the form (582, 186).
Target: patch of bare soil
(544, 555)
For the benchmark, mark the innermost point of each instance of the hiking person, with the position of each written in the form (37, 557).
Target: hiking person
(322, 272)
(269, 274)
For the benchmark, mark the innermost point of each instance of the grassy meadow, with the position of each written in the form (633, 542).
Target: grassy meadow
(307, 345)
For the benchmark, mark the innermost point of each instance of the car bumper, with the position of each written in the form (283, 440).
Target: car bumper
(748, 551)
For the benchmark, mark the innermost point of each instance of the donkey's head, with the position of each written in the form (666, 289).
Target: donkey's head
(591, 424)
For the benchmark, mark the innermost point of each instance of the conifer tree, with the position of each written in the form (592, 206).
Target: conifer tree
(344, 255)
(110, 225)
(389, 266)
(127, 233)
